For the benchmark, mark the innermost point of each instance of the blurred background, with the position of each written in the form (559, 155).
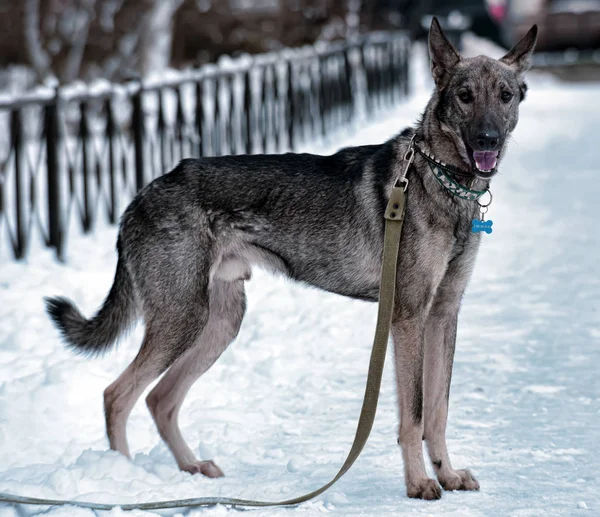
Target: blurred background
(120, 39)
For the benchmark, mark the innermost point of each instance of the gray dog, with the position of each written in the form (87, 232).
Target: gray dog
(188, 241)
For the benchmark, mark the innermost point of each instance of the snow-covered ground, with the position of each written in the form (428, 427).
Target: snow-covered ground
(278, 411)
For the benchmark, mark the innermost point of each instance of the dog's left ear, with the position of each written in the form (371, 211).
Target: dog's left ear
(519, 57)
(444, 57)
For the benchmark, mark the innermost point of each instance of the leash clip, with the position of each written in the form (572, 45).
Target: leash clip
(409, 157)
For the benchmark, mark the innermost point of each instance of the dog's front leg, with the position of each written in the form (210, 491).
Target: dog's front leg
(440, 338)
(408, 336)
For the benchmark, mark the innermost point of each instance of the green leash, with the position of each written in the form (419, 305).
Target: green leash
(394, 217)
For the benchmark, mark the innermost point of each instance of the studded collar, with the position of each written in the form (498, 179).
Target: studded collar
(445, 173)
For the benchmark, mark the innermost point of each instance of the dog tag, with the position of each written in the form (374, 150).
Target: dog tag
(482, 226)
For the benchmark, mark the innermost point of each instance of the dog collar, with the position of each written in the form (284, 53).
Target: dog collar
(443, 173)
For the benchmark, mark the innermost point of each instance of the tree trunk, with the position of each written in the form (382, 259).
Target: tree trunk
(157, 37)
(79, 38)
(37, 56)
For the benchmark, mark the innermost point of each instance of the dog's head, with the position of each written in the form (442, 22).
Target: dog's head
(479, 97)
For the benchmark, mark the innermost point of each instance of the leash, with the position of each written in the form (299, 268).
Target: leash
(394, 218)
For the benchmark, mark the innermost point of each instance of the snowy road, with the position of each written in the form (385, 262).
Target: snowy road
(279, 409)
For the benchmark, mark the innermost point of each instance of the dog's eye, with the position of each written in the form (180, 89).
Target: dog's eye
(507, 96)
(465, 97)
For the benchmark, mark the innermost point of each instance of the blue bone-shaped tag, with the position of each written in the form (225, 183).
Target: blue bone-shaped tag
(482, 226)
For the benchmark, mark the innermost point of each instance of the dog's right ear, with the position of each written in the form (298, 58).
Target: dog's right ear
(444, 57)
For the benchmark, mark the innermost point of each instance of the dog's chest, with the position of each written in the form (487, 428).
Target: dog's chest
(442, 229)
(463, 237)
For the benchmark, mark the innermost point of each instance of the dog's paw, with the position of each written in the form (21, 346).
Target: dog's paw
(425, 488)
(459, 480)
(206, 468)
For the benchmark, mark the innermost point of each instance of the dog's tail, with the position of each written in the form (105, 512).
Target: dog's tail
(96, 335)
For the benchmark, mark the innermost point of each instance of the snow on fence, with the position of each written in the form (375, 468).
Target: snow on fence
(75, 155)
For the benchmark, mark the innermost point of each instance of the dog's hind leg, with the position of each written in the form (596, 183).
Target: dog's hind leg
(121, 395)
(227, 307)
(173, 322)
(440, 338)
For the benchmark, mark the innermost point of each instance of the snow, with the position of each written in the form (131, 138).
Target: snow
(278, 411)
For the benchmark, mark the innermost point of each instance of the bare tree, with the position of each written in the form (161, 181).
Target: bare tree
(71, 39)
(56, 34)
(117, 39)
(157, 36)
(353, 17)
(38, 57)
(76, 38)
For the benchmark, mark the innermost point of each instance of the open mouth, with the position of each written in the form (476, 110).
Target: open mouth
(485, 161)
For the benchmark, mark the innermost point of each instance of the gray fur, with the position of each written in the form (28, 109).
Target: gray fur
(188, 242)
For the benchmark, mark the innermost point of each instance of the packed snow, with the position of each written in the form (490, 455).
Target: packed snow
(278, 411)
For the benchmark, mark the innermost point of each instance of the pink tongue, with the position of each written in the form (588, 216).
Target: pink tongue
(485, 160)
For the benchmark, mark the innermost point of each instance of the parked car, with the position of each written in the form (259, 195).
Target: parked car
(563, 23)
(476, 15)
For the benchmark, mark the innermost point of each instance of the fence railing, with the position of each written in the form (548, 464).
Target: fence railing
(73, 155)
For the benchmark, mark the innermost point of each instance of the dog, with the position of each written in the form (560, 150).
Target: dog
(189, 239)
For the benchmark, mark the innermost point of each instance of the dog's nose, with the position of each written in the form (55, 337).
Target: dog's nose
(488, 140)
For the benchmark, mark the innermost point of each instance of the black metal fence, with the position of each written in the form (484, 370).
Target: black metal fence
(77, 154)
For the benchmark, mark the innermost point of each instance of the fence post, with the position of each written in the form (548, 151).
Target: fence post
(307, 101)
(229, 128)
(377, 83)
(55, 219)
(349, 112)
(341, 87)
(279, 111)
(389, 72)
(84, 134)
(200, 116)
(323, 95)
(399, 68)
(274, 97)
(137, 120)
(263, 118)
(16, 130)
(290, 111)
(217, 124)
(248, 105)
(111, 132)
(395, 70)
(180, 130)
(335, 90)
(363, 57)
(162, 141)
(405, 62)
